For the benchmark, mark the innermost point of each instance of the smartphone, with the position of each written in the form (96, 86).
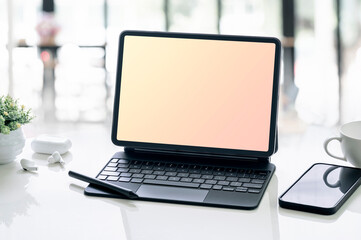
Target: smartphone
(322, 189)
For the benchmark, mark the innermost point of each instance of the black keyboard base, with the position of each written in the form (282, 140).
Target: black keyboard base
(161, 191)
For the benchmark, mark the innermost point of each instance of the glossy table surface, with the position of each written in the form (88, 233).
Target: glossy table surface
(50, 205)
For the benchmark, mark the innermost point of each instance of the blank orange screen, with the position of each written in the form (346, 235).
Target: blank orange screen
(196, 92)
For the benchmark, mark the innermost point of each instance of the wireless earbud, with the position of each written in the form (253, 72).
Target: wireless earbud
(28, 165)
(55, 157)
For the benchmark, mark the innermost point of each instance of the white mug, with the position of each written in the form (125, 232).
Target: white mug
(350, 143)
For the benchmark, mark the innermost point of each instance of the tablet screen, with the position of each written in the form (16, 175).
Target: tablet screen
(196, 92)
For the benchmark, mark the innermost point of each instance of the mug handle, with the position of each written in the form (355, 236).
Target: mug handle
(325, 175)
(325, 146)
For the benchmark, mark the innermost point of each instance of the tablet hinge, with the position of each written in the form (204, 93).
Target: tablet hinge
(191, 154)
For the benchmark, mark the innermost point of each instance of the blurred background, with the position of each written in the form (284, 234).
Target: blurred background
(59, 57)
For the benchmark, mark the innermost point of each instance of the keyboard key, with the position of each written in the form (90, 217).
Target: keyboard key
(159, 173)
(147, 171)
(241, 189)
(254, 190)
(232, 179)
(197, 180)
(170, 183)
(245, 180)
(194, 169)
(122, 170)
(218, 171)
(138, 175)
(244, 175)
(111, 169)
(123, 165)
(110, 173)
(172, 174)
(114, 160)
(260, 172)
(134, 170)
(136, 162)
(112, 178)
(148, 163)
(241, 171)
(171, 167)
(185, 179)
(221, 178)
(112, 164)
(231, 172)
(206, 168)
(183, 174)
(174, 178)
(217, 187)
(211, 182)
(102, 177)
(136, 180)
(150, 176)
(123, 161)
(236, 184)
(195, 175)
(135, 166)
(183, 166)
(206, 186)
(241, 175)
(224, 183)
(207, 176)
(207, 172)
(124, 179)
(162, 177)
(145, 167)
(159, 166)
(125, 174)
(228, 189)
(252, 185)
(259, 181)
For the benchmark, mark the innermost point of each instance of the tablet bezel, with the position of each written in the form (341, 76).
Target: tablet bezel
(197, 149)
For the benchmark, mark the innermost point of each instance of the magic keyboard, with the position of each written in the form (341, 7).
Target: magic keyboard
(185, 175)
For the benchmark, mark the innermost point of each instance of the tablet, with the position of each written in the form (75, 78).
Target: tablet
(197, 93)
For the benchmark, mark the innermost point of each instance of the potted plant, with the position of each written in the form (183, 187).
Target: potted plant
(12, 117)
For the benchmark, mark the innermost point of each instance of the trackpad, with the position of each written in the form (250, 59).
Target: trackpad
(172, 193)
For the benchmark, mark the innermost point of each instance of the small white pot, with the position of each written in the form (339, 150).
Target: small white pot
(11, 145)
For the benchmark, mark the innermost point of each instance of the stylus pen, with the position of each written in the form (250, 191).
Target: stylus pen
(123, 191)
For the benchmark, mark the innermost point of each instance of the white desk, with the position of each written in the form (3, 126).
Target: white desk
(51, 205)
